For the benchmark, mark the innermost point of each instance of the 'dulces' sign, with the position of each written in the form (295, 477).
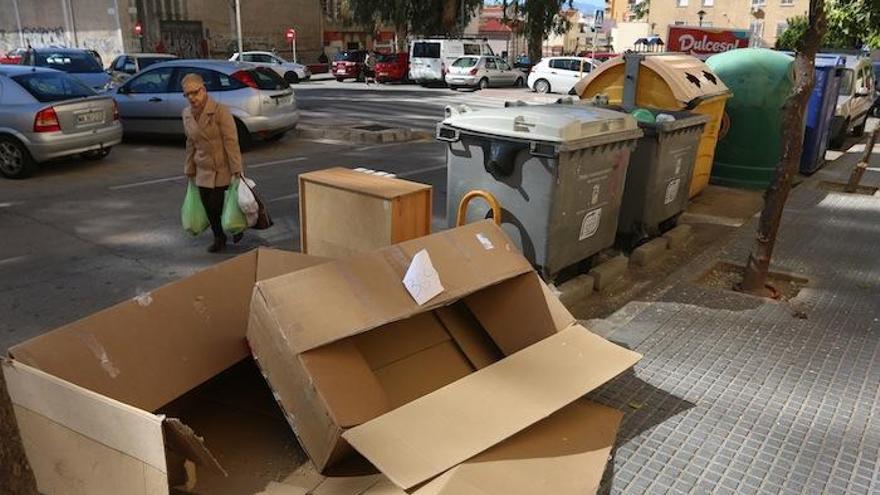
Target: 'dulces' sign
(704, 42)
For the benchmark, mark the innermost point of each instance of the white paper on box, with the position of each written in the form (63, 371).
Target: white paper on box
(421, 279)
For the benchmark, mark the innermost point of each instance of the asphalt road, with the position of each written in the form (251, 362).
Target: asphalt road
(80, 236)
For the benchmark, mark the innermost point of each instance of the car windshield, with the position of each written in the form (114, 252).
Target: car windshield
(148, 61)
(47, 86)
(426, 49)
(387, 57)
(465, 62)
(349, 57)
(75, 62)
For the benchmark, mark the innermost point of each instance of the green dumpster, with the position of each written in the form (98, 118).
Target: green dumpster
(749, 151)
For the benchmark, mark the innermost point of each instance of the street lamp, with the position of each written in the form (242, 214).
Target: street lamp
(701, 14)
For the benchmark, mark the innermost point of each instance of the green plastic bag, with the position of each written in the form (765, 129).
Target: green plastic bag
(233, 219)
(192, 213)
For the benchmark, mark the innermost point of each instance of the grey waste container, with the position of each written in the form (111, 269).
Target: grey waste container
(557, 170)
(659, 175)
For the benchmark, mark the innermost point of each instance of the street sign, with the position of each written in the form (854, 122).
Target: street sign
(598, 19)
(137, 28)
(291, 34)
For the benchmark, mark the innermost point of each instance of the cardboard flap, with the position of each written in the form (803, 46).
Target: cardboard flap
(422, 439)
(335, 300)
(564, 454)
(182, 439)
(149, 350)
(274, 262)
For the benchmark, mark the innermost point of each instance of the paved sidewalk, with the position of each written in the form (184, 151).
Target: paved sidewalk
(739, 395)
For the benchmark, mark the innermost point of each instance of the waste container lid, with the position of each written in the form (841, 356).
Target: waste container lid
(687, 76)
(552, 122)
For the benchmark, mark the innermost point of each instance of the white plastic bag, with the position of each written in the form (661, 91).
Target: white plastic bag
(247, 202)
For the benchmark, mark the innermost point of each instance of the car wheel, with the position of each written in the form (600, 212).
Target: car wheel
(291, 77)
(484, 83)
(542, 86)
(15, 160)
(95, 154)
(454, 88)
(244, 136)
(340, 79)
(860, 129)
(519, 83)
(275, 137)
(838, 139)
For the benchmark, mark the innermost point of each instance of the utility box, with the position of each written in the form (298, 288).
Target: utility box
(558, 171)
(343, 212)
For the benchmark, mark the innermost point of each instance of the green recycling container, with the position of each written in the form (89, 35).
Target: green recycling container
(751, 145)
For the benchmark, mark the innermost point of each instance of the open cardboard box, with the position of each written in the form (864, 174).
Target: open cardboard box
(105, 404)
(419, 390)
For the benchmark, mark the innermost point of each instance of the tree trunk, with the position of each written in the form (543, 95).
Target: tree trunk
(452, 16)
(859, 170)
(758, 263)
(535, 35)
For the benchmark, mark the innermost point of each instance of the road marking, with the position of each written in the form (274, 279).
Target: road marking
(401, 175)
(179, 177)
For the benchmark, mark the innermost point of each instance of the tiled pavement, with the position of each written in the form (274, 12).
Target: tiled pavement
(738, 395)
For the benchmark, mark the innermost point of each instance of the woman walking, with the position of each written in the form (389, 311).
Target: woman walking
(212, 153)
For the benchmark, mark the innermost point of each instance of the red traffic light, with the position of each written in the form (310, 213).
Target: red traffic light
(291, 34)
(137, 28)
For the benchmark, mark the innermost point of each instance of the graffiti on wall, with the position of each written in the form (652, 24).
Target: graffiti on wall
(105, 42)
(183, 38)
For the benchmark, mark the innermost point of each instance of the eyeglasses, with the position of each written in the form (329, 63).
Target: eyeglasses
(194, 92)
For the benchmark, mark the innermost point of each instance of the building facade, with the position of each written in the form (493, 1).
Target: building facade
(766, 19)
(189, 28)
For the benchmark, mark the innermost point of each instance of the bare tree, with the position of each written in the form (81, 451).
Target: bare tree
(859, 170)
(758, 263)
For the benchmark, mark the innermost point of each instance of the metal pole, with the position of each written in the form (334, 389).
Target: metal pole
(238, 26)
(293, 45)
(18, 23)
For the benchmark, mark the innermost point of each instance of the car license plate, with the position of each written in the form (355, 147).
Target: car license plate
(340, 71)
(90, 117)
(383, 73)
(283, 100)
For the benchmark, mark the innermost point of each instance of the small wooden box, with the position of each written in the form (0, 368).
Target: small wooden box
(344, 212)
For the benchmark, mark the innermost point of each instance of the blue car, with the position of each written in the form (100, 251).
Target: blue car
(876, 109)
(81, 64)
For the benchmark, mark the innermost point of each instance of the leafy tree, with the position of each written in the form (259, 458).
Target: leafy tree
(788, 40)
(537, 18)
(852, 24)
(421, 17)
(641, 9)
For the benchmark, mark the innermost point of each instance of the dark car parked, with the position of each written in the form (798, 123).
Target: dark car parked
(349, 65)
(79, 63)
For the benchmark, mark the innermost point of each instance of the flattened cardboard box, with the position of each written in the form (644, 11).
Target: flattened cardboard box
(91, 398)
(417, 390)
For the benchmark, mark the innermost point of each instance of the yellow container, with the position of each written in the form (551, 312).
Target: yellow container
(668, 81)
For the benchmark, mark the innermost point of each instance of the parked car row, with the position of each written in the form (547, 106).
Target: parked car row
(47, 113)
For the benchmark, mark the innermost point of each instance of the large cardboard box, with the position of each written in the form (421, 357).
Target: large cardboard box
(417, 390)
(155, 392)
(344, 212)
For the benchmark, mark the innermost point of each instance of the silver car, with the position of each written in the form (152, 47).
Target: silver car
(292, 72)
(473, 71)
(46, 114)
(261, 102)
(128, 64)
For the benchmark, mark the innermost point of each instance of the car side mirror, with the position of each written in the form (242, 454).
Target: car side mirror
(123, 90)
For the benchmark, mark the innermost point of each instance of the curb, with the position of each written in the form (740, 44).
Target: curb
(360, 133)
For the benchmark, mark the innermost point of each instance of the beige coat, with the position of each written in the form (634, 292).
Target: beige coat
(212, 152)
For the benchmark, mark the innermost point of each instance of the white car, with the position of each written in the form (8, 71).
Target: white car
(855, 97)
(482, 72)
(559, 74)
(292, 72)
(429, 58)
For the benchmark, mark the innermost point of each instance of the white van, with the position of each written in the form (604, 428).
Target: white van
(855, 99)
(429, 58)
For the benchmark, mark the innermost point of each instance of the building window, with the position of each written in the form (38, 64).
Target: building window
(787, 3)
(708, 3)
(780, 28)
(758, 3)
(679, 23)
(757, 29)
(707, 23)
(682, 3)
